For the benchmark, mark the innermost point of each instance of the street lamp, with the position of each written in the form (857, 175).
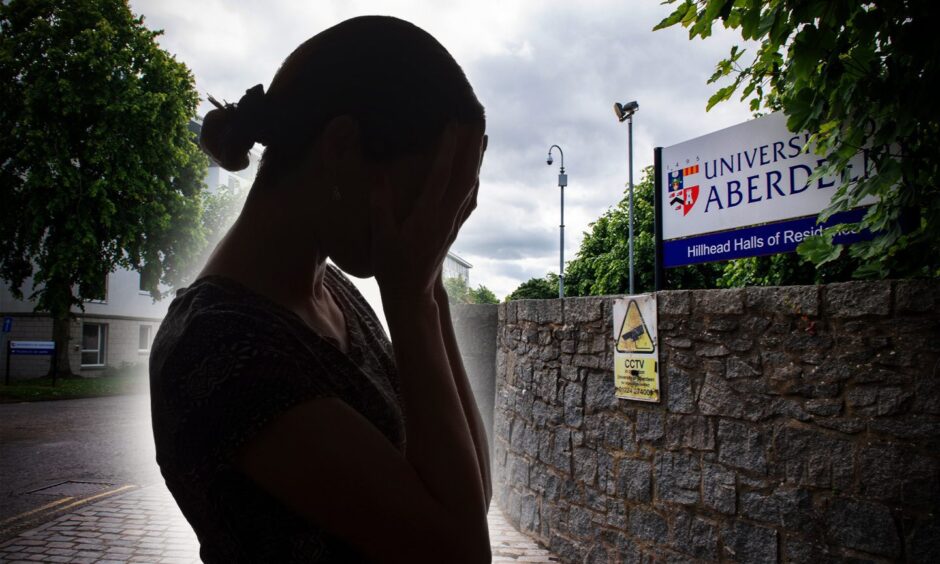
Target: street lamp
(625, 112)
(562, 182)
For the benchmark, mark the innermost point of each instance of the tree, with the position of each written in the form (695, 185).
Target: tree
(482, 295)
(98, 169)
(855, 75)
(458, 292)
(602, 265)
(536, 289)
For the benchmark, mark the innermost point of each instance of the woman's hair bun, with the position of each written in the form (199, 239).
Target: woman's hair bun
(230, 130)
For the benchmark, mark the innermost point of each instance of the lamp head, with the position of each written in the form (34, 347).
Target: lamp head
(624, 111)
(549, 160)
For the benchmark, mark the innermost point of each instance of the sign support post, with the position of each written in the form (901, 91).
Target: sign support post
(659, 272)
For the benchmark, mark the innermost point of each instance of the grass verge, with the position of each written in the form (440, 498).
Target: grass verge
(106, 384)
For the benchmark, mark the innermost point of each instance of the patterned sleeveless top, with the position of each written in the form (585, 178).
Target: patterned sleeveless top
(227, 360)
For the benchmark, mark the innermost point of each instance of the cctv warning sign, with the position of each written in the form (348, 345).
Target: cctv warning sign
(636, 354)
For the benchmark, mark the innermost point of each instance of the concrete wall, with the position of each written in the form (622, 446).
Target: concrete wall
(798, 424)
(475, 328)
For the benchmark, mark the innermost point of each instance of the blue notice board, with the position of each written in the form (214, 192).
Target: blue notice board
(32, 347)
(7, 324)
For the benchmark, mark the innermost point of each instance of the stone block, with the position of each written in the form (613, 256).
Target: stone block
(579, 311)
(712, 350)
(857, 299)
(864, 526)
(600, 393)
(506, 313)
(545, 415)
(585, 465)
(878, 401)
(719, 398)
(634, 480)
(674, 302)
(782, 300)
(718, 301)
(739, 368)
(647, 525)
(581, 522)
(915, 296)
(650, 425)
(744, 542)
(549, 311)
(679, 395)
(786, 506)
(527, 310)
(742, 446)
(811, 458)
(718, 488)
(518, 471)
(561, 450)
(529, 514)
(823, 407)
(574, 402)
(690, 431)
(618, 434)
(597, 555)
(678, 477)
(695, 536)
(566, 549)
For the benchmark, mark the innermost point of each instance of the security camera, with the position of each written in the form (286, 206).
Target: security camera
(549, 160)
(624, 111)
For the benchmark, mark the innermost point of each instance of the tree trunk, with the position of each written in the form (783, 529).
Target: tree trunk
(59, 296)
(60, 334)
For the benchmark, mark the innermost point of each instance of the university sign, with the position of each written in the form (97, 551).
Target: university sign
(745, 191)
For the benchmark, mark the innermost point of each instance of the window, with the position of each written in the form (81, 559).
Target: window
(144, 345)
(94, 336)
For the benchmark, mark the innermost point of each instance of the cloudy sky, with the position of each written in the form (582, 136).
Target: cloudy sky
(548, 73)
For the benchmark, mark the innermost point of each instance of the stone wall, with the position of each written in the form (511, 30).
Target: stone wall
(798, 424)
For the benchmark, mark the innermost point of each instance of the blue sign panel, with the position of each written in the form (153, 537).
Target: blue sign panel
(32, 347)
(7, 324)
(767, 239)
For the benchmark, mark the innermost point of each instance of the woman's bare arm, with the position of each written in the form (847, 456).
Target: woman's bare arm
(470, 409)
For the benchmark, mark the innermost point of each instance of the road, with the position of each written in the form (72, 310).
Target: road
(106, 441)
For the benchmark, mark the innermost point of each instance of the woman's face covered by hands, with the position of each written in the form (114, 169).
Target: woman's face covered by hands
(418, 210)
(414, 206)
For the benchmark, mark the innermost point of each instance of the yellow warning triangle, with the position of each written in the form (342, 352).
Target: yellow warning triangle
(634, 336)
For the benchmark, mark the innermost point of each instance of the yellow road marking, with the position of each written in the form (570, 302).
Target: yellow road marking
(46, 506)
(97, 495)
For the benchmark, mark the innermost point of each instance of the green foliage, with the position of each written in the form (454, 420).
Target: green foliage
(482, 295)
(853, 74)
(98, 169)
(458, 292)
(602, 265)
(536, 289)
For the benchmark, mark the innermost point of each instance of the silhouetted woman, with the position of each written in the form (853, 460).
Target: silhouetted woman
(280, 409)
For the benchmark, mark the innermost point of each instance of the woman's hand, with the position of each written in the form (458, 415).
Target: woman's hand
(407, 257)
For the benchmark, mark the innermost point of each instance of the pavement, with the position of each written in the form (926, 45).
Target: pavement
(145, 525)
(79, 483)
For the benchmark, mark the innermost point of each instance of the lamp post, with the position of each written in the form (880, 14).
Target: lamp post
(562, 182)
(625, 113)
